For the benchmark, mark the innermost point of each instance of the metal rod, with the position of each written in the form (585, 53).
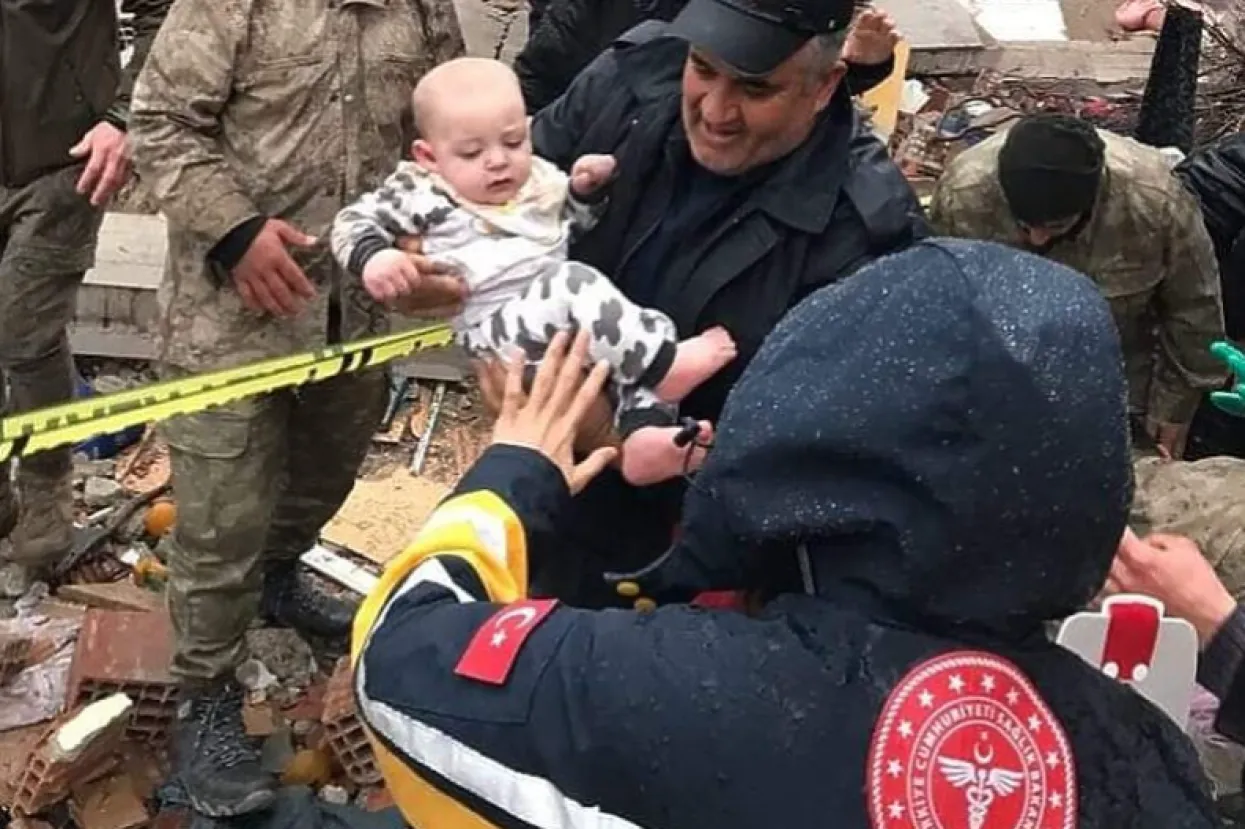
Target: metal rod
(425, 440)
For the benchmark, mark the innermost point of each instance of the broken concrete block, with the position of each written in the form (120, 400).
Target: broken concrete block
(128, 652)
(85, 729)
(108, 803)
(337, 795)
(75, 750)
(100, 492)
(344, 730)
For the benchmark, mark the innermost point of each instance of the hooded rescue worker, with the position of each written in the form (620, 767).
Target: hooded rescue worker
(941, 441)
(1110, 208)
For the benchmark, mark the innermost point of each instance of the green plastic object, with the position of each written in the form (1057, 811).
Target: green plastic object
(1233, 401)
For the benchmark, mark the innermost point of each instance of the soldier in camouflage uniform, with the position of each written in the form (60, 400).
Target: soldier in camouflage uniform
(254, 124)
(64, 104)
(1204, 500)
(1110, 208)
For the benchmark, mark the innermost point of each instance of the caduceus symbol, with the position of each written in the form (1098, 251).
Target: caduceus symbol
(980, 782)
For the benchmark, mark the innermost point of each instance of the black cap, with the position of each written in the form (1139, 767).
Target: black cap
(1050, 167)
(754, 37)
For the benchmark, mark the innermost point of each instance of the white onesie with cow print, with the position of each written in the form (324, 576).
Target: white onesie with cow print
(522, 290)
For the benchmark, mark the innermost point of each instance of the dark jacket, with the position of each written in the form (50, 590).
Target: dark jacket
(567, 34)
(945, 435)
(1216, 176)
(813, 218)
(60, 74)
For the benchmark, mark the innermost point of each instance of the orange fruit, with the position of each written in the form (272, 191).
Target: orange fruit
(160, 518)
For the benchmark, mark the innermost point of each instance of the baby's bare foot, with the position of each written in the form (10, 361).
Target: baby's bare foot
(695, 361)
(650, 455)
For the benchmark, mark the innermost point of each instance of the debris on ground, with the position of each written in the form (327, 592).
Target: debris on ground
(86, 698)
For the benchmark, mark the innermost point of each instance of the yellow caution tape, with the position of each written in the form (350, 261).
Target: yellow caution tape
(80, 420)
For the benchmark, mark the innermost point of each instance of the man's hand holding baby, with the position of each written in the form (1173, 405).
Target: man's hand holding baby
(590, 173)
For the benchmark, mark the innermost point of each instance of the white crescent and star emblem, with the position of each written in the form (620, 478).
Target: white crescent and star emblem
(526, 615)
(965, 740)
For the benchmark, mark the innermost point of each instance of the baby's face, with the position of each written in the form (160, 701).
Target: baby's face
(482, 147)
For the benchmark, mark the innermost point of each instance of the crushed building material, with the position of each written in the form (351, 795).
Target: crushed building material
(36, 692)
(117, 595)
(108, 803)
(344, 731)
(14, 655)
(75, 750)
(15, 748)
(128, 652)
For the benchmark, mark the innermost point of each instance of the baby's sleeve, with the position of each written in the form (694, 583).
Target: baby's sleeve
(407, 204)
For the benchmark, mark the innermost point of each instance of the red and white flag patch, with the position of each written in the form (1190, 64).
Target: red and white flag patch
(964, 740)
(492, 652)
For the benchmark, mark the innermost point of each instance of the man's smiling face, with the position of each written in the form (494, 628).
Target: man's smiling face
(735, 123)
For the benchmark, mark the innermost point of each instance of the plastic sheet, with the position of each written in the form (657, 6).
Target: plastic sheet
(37, 692)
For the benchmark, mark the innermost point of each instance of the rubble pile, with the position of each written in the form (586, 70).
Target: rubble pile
(86, 698)
(939, 117)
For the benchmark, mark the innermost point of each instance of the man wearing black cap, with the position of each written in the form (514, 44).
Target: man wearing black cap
(1110, 208)
(745, 181)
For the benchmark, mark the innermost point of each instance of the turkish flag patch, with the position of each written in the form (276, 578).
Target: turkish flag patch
(492, 652)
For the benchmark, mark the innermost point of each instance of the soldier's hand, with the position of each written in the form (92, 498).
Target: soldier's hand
(107, 155)
(1169, 437)
(1173, 570)
(267, 276)
(547, 418)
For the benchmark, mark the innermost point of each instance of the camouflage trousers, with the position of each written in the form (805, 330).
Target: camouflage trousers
(47, 241)
(1204, 500)
(255, 481)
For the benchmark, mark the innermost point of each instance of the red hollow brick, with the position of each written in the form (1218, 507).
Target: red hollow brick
(127, 652)
(344, 731)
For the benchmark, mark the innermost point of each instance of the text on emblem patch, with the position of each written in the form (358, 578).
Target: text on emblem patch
(965, 742)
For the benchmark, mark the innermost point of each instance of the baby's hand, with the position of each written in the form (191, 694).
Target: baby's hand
(589, 172)
(389, 275)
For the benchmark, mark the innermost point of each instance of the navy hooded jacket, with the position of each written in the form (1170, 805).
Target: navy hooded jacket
(936, 450)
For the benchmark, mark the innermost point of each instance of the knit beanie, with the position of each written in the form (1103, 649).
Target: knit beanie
(1050, 167)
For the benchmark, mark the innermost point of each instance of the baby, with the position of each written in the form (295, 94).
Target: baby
(480, 202)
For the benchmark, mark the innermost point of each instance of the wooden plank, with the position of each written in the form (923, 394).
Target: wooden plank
(328, 563)
(883, 99)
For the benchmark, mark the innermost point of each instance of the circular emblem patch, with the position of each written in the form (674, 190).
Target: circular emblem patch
(965, 742)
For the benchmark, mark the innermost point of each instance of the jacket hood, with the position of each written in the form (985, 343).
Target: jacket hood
(942, 436)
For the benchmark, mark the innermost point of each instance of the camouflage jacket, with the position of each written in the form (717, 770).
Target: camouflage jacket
(1198, 499)
(1145, 246)
(281, 108)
